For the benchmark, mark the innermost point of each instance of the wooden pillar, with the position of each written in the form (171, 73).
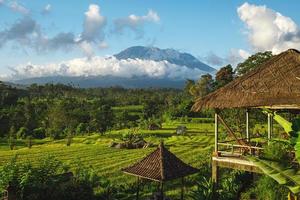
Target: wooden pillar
(270, 126)
(215, 174)
(247, 126)
(182, 188)
(216, 132)
(138, 188)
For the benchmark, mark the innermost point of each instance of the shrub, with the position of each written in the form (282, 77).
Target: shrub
(278, 151)
(22, 133)
(39, 133)
(268, 189)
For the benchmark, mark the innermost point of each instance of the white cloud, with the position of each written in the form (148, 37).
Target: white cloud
(15, 6)
(234, 57)
(135, 23)
(93, 24)
(268, 29)
(106, 66)
(87, 48)
(47, 9)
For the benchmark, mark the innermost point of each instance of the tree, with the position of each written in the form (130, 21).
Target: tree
(203, 87)
(252, 62)
(188, 85)
(224, 76)
(102, 118)
(151, 108)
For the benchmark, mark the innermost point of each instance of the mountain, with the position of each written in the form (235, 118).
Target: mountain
(170, 55)
(184, 66)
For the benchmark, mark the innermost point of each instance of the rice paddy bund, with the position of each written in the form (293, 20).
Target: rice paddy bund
(94, 150)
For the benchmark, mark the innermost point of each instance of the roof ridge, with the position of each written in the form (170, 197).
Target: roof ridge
(161, 153)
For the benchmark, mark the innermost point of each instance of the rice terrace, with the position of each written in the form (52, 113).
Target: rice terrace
(149, 100)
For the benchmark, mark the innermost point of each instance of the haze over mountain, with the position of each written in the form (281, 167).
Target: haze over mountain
(135, 67)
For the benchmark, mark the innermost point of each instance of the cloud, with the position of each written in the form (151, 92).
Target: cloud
(93, 24)
(234, 57)
(135, 23)
(15, 6)
(27, 33)
(268, 29)
(106, 66)
(22, 31)
(47, 9)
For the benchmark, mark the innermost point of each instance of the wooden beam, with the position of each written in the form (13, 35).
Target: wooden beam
(216, 132)
(236, 163)
(215, 178)
(247, 126)
(231, 133)
(270, 126)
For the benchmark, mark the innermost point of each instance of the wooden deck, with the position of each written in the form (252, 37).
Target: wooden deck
(235, 162)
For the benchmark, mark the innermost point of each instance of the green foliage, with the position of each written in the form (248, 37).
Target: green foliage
(224, 76)
(203, 86)
(11, 142)
(204, 190)
(22, 133)
(279, 151)
(132, 136)
(39, 133)
(267, 189)
(252, 62)
(46, 180)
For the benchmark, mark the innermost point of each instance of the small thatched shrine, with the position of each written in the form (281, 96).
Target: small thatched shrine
(161, 166)
(275, 85)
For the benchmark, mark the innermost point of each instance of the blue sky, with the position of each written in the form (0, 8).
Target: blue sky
(212, 30)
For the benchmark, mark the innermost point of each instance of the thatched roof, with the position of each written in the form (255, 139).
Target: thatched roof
(274, 84)
(160, 165)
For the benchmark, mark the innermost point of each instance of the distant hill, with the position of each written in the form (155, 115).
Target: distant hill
(106, 81)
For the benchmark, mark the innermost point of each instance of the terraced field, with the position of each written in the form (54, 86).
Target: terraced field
(94, 150)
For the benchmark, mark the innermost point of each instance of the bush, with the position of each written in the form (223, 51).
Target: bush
(22, 133)
(39, 133)
(202, 120)
(278, 151)
(268, 189)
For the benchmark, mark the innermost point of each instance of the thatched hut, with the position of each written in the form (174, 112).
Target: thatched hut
(160, 166)
(274, 84)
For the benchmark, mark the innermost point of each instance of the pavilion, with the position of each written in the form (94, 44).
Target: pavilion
(160, 166)
(275, 85)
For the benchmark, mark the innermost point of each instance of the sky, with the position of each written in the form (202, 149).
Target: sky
(40, 38)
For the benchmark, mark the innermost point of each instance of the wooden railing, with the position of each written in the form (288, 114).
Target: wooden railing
(239, 150)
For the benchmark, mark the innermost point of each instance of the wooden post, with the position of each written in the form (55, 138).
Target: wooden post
(138, 188)
(215, 171)
(247, 126)
(216, 132)
(270, 126)
(182, 188)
